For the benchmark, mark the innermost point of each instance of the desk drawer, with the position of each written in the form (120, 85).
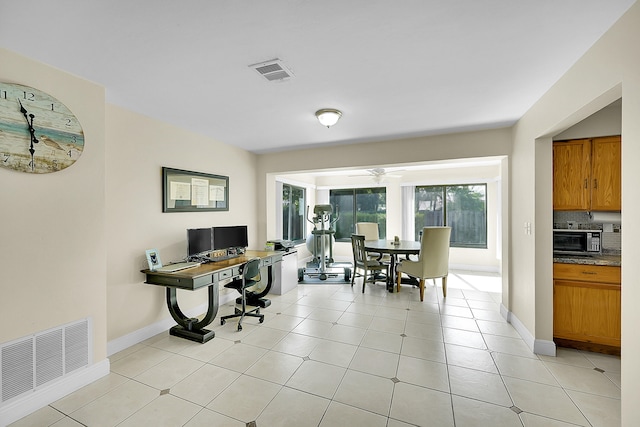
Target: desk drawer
(265, 262)
(202, 281)
(228, 273)
(180, 282)
(225, 274)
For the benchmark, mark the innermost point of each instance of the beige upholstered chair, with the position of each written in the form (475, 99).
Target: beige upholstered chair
(370, 231)
(362, 262)
(433, 260)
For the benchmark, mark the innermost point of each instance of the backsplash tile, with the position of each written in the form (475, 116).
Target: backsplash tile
(573, 219)
(611, 241)
(580, 220)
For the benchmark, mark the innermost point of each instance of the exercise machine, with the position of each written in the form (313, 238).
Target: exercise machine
(320, 243)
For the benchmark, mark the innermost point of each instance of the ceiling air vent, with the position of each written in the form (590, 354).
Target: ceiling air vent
(273, 70)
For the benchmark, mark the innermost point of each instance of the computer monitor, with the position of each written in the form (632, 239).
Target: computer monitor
(199, 241)
(230, 237)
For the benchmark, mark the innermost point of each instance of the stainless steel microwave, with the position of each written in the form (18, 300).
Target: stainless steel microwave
(577, 242)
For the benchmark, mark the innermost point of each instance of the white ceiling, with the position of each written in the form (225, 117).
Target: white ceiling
(395, 69)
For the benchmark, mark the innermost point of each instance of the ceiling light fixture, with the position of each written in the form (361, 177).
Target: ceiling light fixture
(328, 116)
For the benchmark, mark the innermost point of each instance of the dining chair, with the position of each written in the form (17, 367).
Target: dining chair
(362, 262)
(370, 231)
(433, 259)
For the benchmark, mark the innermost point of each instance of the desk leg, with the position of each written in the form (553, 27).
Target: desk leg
(192, 328)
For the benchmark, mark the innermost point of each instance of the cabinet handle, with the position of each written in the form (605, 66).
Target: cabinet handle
(595, 184)
(586, 184)
(588, 272)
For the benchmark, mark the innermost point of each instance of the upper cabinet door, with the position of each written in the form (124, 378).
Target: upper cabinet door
(606, 159)
(571, 174)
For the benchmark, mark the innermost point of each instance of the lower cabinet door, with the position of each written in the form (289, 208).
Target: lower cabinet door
(588, 312)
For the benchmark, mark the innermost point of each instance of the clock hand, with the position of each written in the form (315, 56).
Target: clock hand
(32, 131)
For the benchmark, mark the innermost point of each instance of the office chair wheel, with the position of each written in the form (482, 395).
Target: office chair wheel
(239, 327)
(222, 321)
(261, 319)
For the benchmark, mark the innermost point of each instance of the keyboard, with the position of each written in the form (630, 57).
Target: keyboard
(172, 268)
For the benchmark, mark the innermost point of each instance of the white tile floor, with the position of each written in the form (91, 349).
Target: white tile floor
(328, 355)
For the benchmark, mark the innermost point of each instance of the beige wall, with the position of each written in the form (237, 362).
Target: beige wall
(137, 149)
(609, 70)
(463, 145)
(605, 122)
(53, 250)
(75, 239)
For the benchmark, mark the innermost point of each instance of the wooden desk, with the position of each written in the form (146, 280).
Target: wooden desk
(209, 275)
(405, 247)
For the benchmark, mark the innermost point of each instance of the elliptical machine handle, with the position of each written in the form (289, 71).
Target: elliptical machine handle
(337, 217)
(310, 220)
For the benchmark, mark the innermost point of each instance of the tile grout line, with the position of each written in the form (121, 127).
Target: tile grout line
(321, 301)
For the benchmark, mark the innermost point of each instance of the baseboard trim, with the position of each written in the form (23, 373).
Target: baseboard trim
(537, 346)
(504, 313)
(473, 267)
(544, 347)
(135, 337)
(23, 406)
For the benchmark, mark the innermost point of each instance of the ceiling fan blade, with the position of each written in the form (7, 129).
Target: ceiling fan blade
(379, 173)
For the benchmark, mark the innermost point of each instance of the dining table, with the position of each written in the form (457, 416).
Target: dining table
(394, 249)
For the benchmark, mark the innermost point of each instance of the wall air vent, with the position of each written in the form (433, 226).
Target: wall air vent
(34, 361)
(273, 70)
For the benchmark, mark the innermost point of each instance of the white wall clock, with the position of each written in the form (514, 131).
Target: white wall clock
(38, 133)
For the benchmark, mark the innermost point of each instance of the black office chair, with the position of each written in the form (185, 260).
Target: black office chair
(250, 272)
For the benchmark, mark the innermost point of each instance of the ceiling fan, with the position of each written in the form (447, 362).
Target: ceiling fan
(379, 174)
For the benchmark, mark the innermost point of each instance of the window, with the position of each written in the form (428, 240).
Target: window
(358, 205)
(462, 207)
(293, 205)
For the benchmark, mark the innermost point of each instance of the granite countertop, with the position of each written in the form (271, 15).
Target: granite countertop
(611, 259)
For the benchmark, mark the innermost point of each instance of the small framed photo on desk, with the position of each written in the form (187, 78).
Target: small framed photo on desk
(153, 259)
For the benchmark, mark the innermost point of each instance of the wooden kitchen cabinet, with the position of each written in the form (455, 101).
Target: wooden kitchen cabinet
(586, 307)
(571, 174)
(587, 174)
(606, 161)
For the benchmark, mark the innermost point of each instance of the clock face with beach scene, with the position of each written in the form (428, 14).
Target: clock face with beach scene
(38, 133)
